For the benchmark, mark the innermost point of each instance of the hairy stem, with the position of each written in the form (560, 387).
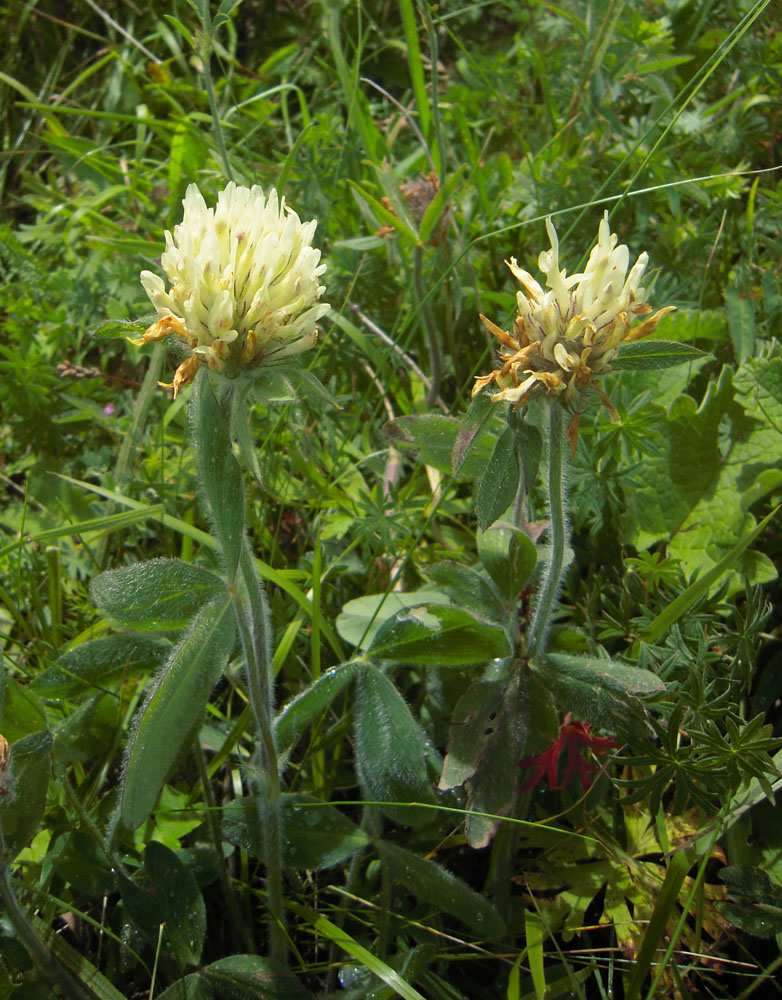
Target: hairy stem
(215, 832)
(253, 621)
(557, 500)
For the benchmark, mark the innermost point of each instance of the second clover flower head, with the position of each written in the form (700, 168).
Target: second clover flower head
(567, 335)
(244, 283)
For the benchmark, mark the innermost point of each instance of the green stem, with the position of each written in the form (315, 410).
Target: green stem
(252, 619)
(557, 499)
(433, 340)
(215, 832)
(87, 823)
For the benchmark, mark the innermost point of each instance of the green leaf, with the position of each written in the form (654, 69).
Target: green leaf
(101, 662)
(741, 323)
(248, 976)
(648, 355)
(23, 806)
(384, 215)
(113, 328)
(603, 692)
(469, 588)
(509, 557)
(362, 243)
(86, 733)
(391, 747)
(174, 708)
(702, 466)
(241, 825)
(438, 635)
(82, 863)
(311, 702)
(155, 595)
(239, 977)
(755, 902)
(361, 618)
(494, 786)
(434, 885)
(772, 301)
(530, 443)
(434, 436)
(472, 724)
(218, 470)
(317, 835)
(499, 482)
(192, 987)
(280, 578)
(23, 713)
(167, 893)
(477, 417)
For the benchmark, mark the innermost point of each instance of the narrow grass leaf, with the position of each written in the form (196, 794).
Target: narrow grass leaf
(97, 525)
(534, 932)
(343, 940)
(663, 908)
(415, 65)
(385, 215)
(77, 963)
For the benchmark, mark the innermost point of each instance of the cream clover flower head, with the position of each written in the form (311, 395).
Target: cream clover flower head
(244, 283)
(567, 335)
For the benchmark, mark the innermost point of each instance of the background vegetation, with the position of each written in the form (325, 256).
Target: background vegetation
(430, 142)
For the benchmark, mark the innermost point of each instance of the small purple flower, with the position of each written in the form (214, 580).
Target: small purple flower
(109, 409)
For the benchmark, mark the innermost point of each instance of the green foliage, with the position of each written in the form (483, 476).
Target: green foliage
(173, 707)
(166, 894)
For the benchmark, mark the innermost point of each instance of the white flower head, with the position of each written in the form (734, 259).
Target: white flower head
(244, 283)
(567, 334)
